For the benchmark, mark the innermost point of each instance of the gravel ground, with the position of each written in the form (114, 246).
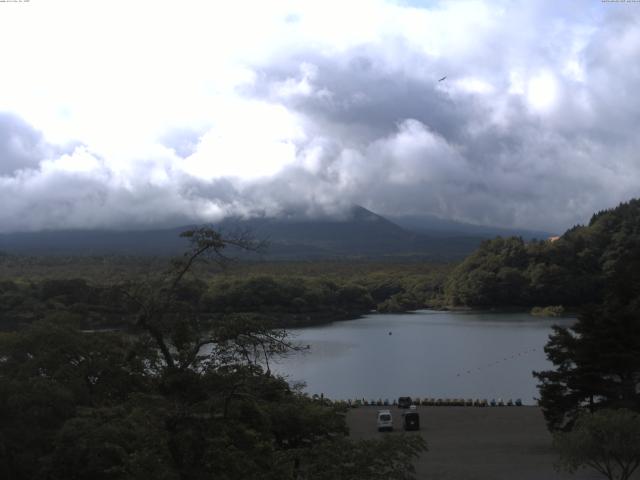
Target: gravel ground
(467, 443)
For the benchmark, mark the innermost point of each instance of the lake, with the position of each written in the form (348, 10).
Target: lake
(425, 354)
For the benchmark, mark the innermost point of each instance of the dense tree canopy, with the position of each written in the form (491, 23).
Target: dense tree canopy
(607, 441)
(573, 270)
(597, 360)
(286, 295)
(180, 395)
(597, 365)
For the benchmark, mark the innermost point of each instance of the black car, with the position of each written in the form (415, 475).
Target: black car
(411, 420)
(404, 402)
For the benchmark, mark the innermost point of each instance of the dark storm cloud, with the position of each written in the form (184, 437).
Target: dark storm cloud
(53, 199)
(486, 157)
(360, 91)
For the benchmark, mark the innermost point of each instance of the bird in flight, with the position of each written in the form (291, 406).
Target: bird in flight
(442, 78)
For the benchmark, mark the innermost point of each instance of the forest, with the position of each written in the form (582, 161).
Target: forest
(287, 294)
(560, 275)
(151, 401)
(114, 368)
(571, 271)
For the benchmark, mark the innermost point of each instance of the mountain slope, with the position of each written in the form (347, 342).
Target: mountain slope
(436, 226)
(584, 265)
(94, 242)
(359, 234)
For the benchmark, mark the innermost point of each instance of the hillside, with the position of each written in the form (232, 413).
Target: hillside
(581, 267)
(361, 234)
(436, 226)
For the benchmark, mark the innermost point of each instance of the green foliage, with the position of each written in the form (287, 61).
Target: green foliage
(88, 406)
(67, 291)
(492, 275)
(387, 459)
(572, 271)
(125, 442)
(286, 294)
(294, 296)
(597, 364)
(32, 410)
(400, 302)
(95, 369)
(607, 441)
(184, 394)
(401, 291)
(550, 311)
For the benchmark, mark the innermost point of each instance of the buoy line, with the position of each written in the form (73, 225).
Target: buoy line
(497, 362)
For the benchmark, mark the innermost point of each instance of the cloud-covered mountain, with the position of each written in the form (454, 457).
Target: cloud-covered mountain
(359, 233)
(200, 111)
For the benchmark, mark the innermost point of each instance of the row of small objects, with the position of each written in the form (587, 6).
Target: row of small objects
(497, 362)
(436, 402)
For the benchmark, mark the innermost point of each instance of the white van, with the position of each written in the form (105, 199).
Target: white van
(385, 421)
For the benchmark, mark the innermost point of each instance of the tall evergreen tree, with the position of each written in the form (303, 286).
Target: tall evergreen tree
(597, 365)
(597, 360)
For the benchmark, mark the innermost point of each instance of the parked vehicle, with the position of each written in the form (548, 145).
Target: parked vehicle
(385, 421)
(411, 420)
(404, 402)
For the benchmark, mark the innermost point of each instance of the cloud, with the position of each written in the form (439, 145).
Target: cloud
(21, 146)
(202, 112)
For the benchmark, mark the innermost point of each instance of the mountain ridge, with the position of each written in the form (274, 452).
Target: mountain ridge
(359, 234)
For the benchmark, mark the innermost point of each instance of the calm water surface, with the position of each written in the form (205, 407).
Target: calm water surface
(428, 354)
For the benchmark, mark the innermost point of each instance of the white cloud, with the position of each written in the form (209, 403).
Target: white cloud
(249, 140)
(542, 92)
(474, 85)
(155, 111)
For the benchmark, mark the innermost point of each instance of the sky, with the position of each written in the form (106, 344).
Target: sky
(120, 114)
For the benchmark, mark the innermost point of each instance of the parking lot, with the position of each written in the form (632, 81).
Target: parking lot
(470, 443)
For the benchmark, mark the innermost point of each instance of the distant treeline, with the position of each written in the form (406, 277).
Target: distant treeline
(573, 270)
(310, 294)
